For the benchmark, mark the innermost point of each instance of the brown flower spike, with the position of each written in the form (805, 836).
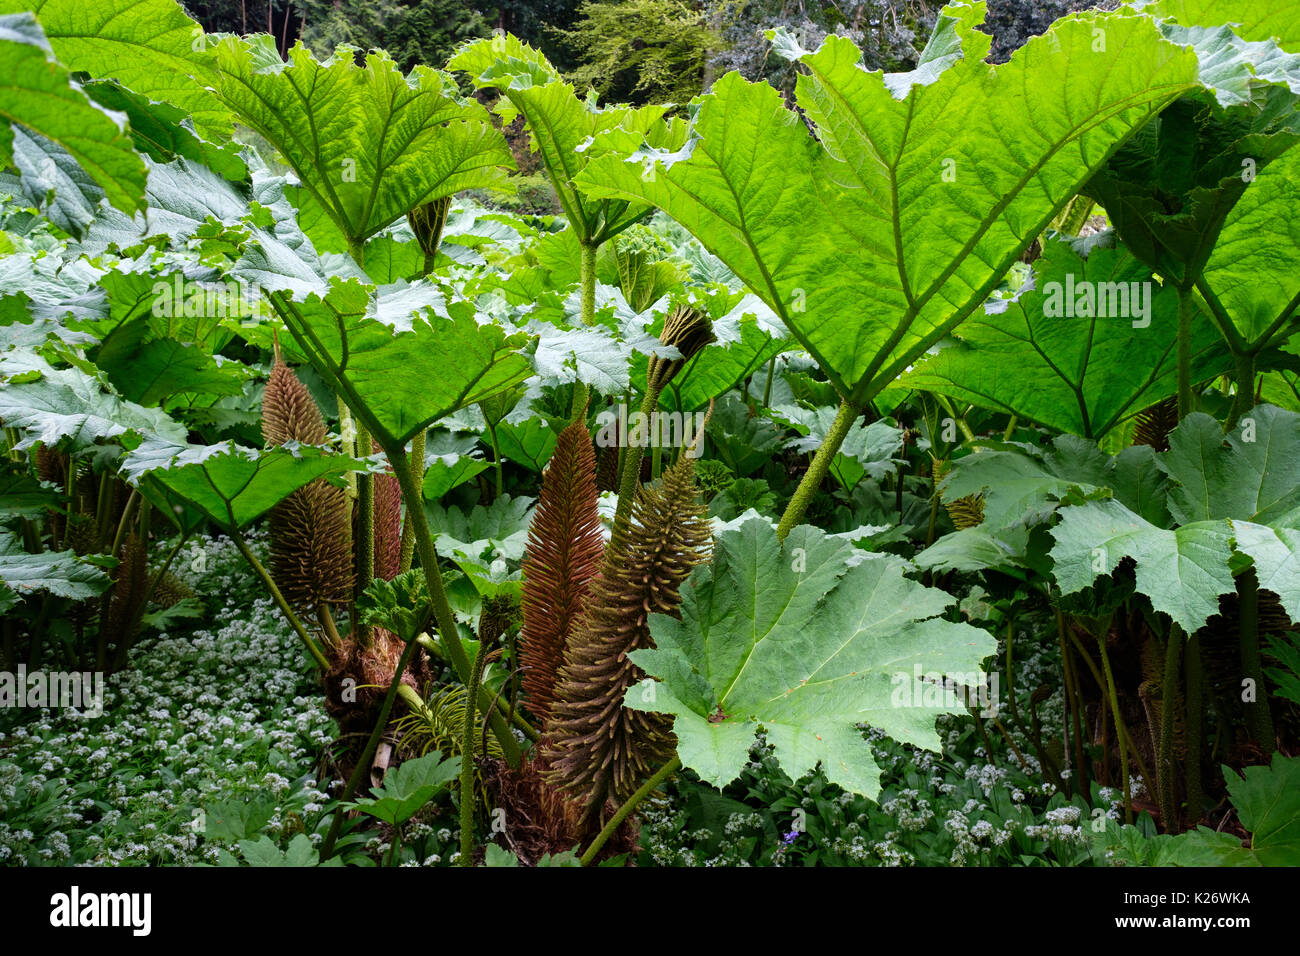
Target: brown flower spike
(563, 556)
(595, 747)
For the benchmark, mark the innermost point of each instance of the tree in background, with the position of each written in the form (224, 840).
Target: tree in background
(280, 18)
(537, 23)
(642, 51)
(414, 32)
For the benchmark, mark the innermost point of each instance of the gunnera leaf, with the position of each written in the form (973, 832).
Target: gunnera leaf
(597, 748)
(564, 549)
(806, 639)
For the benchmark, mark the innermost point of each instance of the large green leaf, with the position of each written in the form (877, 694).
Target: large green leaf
(1184, 572)
(1276, 554)
(368, 144)
(410, 358)
(1234, 497)
(1252, 281)
(874, 238)
(41, 96)
(1093, 343)
(150, 46)
(563, 126)
(1252, 473)
(61, 573)
(806, 641)
(1267, 799)
(232, 485)
(54, 406)
(166, 132)
(1170, 188)
(1277, 20)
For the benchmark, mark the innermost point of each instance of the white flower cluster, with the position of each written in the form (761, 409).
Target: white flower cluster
(198, 718)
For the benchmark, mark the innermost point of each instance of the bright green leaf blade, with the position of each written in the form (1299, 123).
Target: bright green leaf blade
(1252, 473)
(230, 484)
(803, 641)
(875, 242)
(149, 46)
(53, 406)
(1250, 19)
(1254, 271)
(1276, 553)
(368, 144)
(1184, 572)
(562, 125)
(409, 367)
(1094, 343)
(42, 97)
(1268, 801)
(61, 573)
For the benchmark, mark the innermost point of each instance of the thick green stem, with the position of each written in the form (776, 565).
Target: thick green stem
(104, 509)
(631, 473)
(1195, 681)
(1100, 681)
(1186, 311)
(105, 603)
(317, 655)
(408, 529)
(348, 439)
(1244, 400)
(1119, 728)
(1071, 721)
(365, 527)
(357, 250)
(1166, 766)
(1258, 717)
(502, 705)
(467, 759)
(647, 788)
(496, 458)
(448, 633)
(587, 280)
(821, 463)
(362, 768)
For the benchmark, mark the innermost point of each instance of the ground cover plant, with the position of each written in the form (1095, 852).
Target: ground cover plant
(884, 469)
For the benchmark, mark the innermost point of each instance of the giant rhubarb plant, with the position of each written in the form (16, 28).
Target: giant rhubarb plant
(563, 126)
(401, 363)
(1172, 188)
(804, 641)
(876, 236)
(368, 144)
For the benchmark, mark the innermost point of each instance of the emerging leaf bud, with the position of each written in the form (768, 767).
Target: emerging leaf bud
(689, 330)
(427, 222)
